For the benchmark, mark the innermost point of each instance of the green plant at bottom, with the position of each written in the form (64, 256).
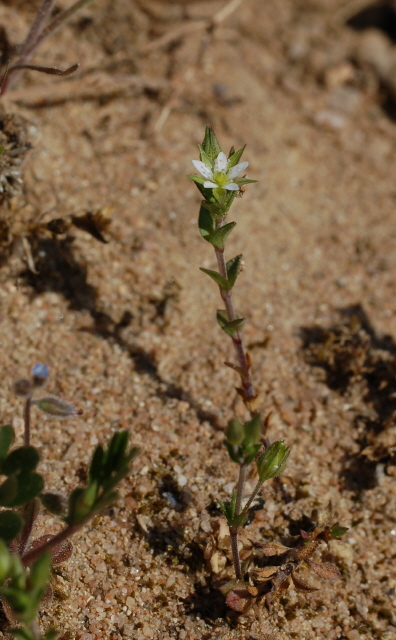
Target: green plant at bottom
(25, 564)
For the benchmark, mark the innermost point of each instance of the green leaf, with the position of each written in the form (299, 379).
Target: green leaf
(21, 459)
(210, 144)
(250, 452)
(96, 466)
(30, 485)
(10, 525)
(205, 158)
(222, 282)
(6, 439)
(242, 181)
(235, 157)
(196, 178)
(230, 328)
(235, 432)
(8, 491)
(105, 501)
(20, 601)
(234, 268)
(115, 453)
(206, 224)
(5, 562)
(81, 503)
(54, 503)
(252, 431)
(51, 634)
(40, 572)
(337, 531)
(21, 634)
(219, 237)
(234, 452)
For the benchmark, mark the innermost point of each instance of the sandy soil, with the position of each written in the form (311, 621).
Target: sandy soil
(128, 327)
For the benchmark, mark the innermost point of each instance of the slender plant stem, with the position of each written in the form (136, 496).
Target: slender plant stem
(235, 553)
(26, 420)
(27, 49)
(240, 484)
(61, 18)
(34, 554)
(247, 385)
(252, 497)
(36, 29)
(249, 395)
(37, 34)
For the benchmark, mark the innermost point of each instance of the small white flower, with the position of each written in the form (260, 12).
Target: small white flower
(220, 176)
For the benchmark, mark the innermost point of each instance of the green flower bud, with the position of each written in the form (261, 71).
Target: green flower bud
(235, 432)
(57, 407)
(23, 388)
(272, 462)
(253, 431)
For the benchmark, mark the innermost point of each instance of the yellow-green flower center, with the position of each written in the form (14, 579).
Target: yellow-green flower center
(220, 178)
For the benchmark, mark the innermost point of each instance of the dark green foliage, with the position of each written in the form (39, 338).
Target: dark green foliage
(10, 525)
(107, 468)
(229, 327)
(228, 508)
(23, 484)
(233, 269)
(220, 236)
(217, 278)
(6, 440)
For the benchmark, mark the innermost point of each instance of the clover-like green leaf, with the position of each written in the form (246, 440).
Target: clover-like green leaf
(8, 491)
(10, 525)
(21, 459)
(6, 439)
(30, 485)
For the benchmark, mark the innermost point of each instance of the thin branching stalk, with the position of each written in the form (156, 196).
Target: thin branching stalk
(235, 553)
(247, 385)
(62, 18)
(39, 31)
(248, 392)
(27, 421)
(36, 30)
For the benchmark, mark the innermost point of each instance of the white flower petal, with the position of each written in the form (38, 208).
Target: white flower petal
(210, 185)
(235, 171)
(231, 187)
(220, 164)
(203, 169)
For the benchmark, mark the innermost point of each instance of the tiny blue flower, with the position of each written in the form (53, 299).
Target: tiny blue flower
(40, 371)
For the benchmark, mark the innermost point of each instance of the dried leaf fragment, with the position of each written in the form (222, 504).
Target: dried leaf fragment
(274, 549)
(301, 585)
(325, 570)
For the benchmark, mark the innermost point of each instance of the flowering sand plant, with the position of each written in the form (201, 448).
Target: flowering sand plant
(219, 184)
(25, 563)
